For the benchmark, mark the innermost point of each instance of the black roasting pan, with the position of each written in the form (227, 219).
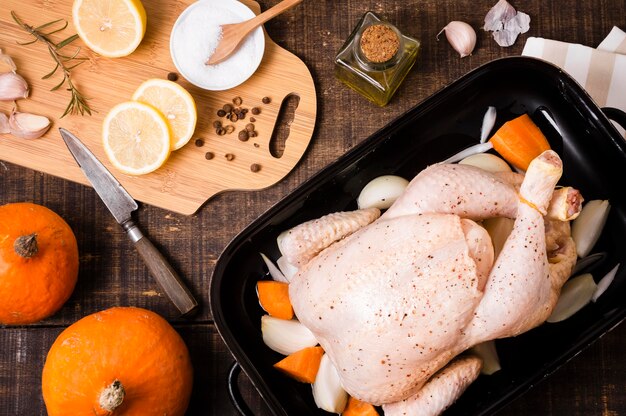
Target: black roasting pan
(594, 157)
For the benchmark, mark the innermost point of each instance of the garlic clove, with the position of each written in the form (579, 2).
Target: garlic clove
(28, 126)
(461, 37)
(6, 63)
(12, 87)
(4, 124)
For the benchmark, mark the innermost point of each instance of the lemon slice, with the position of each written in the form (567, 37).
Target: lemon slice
(175, 103)
(136, 138)
(111, 28)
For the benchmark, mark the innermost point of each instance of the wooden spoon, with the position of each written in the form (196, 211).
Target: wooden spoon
(233, 34)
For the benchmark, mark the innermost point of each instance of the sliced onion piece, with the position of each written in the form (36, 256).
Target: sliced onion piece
(279, 240)
(288, 269)
(472, 150)
(286, 336)
(327, 390)
(604, 283)
(381, 192)
(489, 120)
(576, 293)
(486, 161)
(499, 229)
(487, 352)
(586, 229)
(586, 262)
(274, 271)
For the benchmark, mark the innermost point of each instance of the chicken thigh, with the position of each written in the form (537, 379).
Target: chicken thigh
(395, 301)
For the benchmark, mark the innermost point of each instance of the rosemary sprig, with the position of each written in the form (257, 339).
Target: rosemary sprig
(78, 103)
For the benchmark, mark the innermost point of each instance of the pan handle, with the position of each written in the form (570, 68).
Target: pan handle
(616, 115)
(234, 392)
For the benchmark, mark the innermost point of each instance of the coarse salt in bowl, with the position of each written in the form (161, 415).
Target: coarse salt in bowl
(195, 36)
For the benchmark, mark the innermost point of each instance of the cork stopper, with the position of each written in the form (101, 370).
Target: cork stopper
(379, 43)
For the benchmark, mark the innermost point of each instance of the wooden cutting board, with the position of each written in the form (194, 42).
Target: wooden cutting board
(188, 179)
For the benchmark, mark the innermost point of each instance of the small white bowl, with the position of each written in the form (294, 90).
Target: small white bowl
(190, 51)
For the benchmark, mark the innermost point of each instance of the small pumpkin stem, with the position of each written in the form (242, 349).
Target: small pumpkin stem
(26, 245)
(112, 396)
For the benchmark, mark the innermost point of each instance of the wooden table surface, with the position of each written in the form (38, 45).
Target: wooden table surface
(112, 273)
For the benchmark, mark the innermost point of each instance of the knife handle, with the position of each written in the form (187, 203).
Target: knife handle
(162, 271)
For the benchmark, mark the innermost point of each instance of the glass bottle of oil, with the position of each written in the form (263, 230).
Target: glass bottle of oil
(375, 59)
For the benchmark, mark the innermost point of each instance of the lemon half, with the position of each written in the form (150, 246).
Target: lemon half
(111, 28)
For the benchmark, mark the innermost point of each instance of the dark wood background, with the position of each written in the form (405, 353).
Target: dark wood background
(112, 273)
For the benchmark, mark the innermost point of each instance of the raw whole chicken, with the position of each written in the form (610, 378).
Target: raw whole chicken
(394, 300)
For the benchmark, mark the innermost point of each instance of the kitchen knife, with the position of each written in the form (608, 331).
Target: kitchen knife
(121, 205)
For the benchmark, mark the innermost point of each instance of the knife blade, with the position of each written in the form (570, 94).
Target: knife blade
(121, 205)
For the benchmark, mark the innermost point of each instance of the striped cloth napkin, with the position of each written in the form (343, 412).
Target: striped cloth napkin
(601, 71)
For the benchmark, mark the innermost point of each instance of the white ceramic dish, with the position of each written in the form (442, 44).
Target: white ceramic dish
(229, 73)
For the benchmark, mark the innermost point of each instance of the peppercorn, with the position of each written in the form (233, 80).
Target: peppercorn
(266, 100)
(256, 111)
(255, 167)
(228, 108)
(250, 127)
(229, 156)
(252, 119)
(230, 128)
(172, 76)
(233, 117)
(209, 155)
(217, 124)
(237, 101)
(243, 135)
(199, 142)
(221, 131)
(254, 133)
(221, 113)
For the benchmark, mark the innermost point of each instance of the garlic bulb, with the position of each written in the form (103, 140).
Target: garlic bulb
(461, 36)
(28, 126)
(12, 87)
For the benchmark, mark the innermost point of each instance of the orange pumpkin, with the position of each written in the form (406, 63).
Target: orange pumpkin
(121, 361)
(38, 263)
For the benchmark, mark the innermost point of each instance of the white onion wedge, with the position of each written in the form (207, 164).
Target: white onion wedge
(288, 269)
(328, 393)
(576, 293)
(489, 120)
(381, 192)
(586, 229)
(499, 229)
(486, 161)
(488, 353)
(274, 271)
(286, 336)
(604, 283)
